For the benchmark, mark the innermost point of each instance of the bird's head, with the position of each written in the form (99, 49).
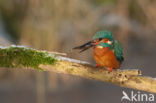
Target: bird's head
(100, 37)
(103, 36)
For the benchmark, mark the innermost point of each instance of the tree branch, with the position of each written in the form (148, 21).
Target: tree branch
(17, 56)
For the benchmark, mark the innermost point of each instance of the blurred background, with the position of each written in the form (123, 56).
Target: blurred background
(59, 25)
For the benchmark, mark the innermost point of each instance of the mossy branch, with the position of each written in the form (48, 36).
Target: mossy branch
(19, 56)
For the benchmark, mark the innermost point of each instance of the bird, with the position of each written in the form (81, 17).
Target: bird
(108, 52)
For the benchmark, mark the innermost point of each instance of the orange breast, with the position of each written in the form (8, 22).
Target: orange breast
(106, 58)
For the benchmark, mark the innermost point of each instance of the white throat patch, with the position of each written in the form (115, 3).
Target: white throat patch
(99, 46)
(110, 42)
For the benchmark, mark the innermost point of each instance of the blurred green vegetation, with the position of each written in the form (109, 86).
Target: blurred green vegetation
(100, 2)
(12, 14)
(137, 13)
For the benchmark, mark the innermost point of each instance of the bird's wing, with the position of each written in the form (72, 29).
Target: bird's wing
(118, 50)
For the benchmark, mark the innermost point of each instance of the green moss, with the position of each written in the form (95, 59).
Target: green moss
(16, 56)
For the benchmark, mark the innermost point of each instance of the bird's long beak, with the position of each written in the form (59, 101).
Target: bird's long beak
(85, 46)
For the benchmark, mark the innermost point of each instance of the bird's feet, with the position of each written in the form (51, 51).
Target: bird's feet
(97, 65)
(110, 69)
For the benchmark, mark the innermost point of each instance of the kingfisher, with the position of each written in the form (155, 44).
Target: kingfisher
(108, 53)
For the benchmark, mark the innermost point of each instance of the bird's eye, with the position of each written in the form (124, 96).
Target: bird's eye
(100, 39)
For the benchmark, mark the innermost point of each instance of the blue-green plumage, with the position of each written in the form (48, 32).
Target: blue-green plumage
(118, 50)
(105, 45)
(103, 34)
